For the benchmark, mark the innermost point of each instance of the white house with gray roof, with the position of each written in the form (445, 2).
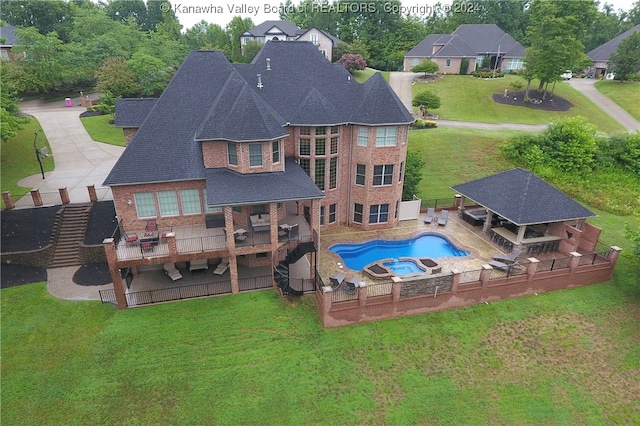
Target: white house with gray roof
(483, 45)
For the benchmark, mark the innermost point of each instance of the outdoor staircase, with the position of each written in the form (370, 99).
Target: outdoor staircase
(281, 271)
(71, 230)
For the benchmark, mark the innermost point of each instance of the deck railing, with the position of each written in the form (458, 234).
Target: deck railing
(255, 283)
(147, 297)
(201, 244)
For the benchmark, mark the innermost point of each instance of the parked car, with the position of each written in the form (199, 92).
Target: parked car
(566, 75)
(609, 76)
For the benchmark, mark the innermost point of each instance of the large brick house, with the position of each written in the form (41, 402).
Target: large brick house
(483, 45)
(244, 150)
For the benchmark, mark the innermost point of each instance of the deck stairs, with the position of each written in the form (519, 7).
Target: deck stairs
(281, 270)
(70, 231)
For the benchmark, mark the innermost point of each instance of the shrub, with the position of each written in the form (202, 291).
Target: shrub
(426, 99)
(487, 74)
(352, 62)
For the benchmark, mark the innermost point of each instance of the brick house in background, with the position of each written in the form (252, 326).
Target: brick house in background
(244, 150)
(484, 45)
(8, 38)
(285, 30)
(600, 55)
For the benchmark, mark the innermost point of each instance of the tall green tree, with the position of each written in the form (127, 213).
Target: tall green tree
(116, 78)
(234, 29)
(209, 37)
(150, 73)
(606, 25)
(46, 56)
(626, 60)
(414, 166)
(11, 123)
(45, 15)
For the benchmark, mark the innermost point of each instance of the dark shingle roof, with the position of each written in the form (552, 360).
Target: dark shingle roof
(602, 52)
(8, 32)
(469, 40)
(133, 111)
(286, 27)
(211, 99)
(226, 187)
(522, 198)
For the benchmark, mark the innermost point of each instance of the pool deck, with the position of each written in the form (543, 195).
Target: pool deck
(460, 233)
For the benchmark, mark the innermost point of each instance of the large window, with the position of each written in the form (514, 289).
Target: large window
(190, 200)
(305, 130)
(322, 215)
(357, 213)
(334, 145)
(383, 175)
(321, 131)
(321, 148)
(386, 136)
(305, 163)
(145, 205)
(361, 170)
(168, 202)
(335, 130)
(378, 213)
(332, 213)
(333, 173)
(255, 154)
(305, 146)
(320, 169)
(232, 152)
(275, 149)
(363, 136)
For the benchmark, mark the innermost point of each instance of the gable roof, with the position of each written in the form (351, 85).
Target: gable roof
(522, 198)
(254, 188)
(334, 40)
(604, 51)
(133, 111)
(469, 40)
(8, 32)
(274, 27)
(210, 99)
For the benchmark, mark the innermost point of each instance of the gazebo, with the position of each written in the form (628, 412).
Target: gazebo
(520, 209)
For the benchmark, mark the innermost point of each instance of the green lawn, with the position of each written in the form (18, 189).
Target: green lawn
(454, 156)
(626, 95)
(466, 98)
(366, 74)
(19, 159)
(100, 130)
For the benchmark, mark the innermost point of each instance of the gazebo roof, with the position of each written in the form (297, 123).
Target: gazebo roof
(522, 198)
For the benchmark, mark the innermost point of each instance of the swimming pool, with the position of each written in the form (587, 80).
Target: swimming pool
(404, 267)
(357, 256)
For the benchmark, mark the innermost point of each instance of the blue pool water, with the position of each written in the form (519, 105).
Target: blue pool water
(403, 267)
(357, 256)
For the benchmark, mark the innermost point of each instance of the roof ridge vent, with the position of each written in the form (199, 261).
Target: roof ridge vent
(260, 85)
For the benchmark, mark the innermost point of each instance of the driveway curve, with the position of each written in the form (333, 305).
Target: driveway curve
(401, 83)
(79, 160)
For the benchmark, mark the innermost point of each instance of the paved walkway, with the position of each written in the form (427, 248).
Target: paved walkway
(586, 86)
(79, 160)
(401, 83)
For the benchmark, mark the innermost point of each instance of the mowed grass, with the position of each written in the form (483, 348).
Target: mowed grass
(367, 73)
(626, 95)
(465, 98)
(565, 357)
(100, 130)
(19, 158)
(454, 156)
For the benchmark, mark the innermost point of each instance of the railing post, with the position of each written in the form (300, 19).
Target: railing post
(613, 258)
(363, 292)
(64, 195)
(396, 287)
(455, 280)
(532, 268)
(233, 274)
(8, 200)
(36, 197)
(116, 277)
(172, 244)
(327, 294)
(92, 193)
(485, 276)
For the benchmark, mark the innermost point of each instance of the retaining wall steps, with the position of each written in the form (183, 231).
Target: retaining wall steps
(71, 231)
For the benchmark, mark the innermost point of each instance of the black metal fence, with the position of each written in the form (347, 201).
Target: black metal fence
(169, 294)
(554, 264)
(255, 283)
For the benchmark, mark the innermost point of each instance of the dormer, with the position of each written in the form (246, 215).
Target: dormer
(244, 157)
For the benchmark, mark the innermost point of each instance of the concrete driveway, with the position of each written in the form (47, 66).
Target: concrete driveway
(586, 86)
(79, 160)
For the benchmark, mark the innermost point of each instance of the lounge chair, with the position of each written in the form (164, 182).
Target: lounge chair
(509, 258)
(197, 264)
(222, 266)
(431, 213)
(444, 216)
(351, 284)
(172, 272)
(336, 280)
(504, 266)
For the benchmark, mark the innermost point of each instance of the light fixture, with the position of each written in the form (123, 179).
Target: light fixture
(129, 202)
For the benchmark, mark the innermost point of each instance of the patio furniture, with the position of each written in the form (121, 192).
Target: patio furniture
(336, 280)
(146, 246)
(444, 216)
(152, 226)
(351, 284)
(171, 271)
(260, 222)
(198, 264)
(240, 235)
(504, 266)
(431, 213)
(130, 239)
(510, 258)
(222, 266)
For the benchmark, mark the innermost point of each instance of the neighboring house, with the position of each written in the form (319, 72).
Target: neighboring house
(8, 38)
(600, 55)
(287, 31)
(242, 150)
(483, 45)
